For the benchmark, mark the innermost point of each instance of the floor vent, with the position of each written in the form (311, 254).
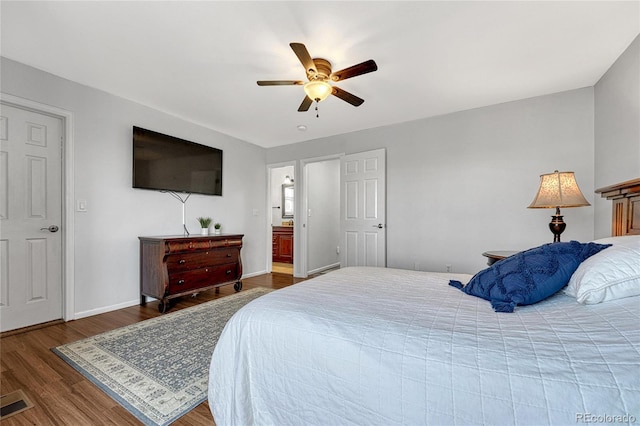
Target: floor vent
(13, 403)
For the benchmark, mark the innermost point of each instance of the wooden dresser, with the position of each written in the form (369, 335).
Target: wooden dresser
(282, 244)
(174, 266)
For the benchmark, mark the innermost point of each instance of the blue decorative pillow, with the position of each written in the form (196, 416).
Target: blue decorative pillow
(529, 276)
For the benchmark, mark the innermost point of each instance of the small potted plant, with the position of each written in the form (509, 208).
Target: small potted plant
(205, 222)
(216, 228)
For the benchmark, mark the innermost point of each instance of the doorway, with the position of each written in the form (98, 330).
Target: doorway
(283, 216)
(322, 219)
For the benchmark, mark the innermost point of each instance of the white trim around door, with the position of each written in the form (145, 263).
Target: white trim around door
(68, 283)
(269, 239)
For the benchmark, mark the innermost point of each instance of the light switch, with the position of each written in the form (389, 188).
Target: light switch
(81, 205)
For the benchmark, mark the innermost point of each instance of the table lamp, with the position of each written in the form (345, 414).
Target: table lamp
(558, 189)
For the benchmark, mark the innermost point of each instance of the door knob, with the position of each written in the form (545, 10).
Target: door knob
(52, 228)
(379, 226)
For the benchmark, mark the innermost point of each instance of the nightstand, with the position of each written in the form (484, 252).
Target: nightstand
(495, 255)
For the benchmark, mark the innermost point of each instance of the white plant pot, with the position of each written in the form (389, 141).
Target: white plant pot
(217, 231)
(205, 231)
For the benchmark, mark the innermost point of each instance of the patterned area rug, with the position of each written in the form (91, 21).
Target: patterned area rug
(158, 368)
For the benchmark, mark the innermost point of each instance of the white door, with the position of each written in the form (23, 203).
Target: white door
(363, 209)
(30, 215)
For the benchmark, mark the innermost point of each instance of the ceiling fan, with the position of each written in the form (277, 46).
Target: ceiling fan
(319, 75)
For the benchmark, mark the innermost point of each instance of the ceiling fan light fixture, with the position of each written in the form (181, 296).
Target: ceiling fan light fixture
(319, 75)
(317, 90)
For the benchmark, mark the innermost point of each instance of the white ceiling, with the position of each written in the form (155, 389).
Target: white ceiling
(200, 60)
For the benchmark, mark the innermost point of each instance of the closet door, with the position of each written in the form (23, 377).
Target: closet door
(31, 215)
(363, 209)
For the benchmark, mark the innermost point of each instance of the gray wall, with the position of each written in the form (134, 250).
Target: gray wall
(106, 243)
(460, 184)
(617, 129)
(457, 185)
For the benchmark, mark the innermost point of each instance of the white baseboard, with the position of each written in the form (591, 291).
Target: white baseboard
(324, 268)
(123, 305)
(106, 309)
(253, 274)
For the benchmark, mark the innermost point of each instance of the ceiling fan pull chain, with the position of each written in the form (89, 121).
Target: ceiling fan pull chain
(317, 114)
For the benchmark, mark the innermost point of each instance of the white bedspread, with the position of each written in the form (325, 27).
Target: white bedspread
(370, 346)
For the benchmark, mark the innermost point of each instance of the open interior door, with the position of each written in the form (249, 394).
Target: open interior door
(363, 227)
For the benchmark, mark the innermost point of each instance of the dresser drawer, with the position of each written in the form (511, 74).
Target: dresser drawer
(226, 242)
(201, 259)
(187, 246)
(185, 281)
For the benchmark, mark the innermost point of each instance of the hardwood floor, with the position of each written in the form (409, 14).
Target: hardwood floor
(61, 395)
(283, 268)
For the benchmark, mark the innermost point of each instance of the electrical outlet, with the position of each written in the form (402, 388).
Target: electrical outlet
(337, 249)
(448, 266)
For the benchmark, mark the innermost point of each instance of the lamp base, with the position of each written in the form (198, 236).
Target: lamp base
(557, 225)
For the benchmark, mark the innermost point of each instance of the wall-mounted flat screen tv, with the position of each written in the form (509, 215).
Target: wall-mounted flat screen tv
(167, 163)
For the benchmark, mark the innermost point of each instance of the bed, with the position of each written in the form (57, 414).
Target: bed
(381, 346)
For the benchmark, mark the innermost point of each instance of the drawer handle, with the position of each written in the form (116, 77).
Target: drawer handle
(228, 254)
(181, 261)
(180, 282)
(228, 272)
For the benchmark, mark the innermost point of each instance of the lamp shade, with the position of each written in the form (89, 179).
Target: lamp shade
(317, 90)
(558, 189)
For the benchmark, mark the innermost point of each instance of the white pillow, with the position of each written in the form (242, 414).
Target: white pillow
(611, 274)
(625, 240)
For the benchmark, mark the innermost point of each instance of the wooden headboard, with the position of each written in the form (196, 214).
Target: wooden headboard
(625, 219)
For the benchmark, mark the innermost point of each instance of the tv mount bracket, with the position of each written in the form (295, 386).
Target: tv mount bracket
(184, 208)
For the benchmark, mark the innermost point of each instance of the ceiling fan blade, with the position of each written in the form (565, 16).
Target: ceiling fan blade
(306, 103)
(280, 83)
(355, 70)
(305, 58)
(347, 97)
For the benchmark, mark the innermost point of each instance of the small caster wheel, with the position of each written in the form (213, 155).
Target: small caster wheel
(237, 286)
(163, 306)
